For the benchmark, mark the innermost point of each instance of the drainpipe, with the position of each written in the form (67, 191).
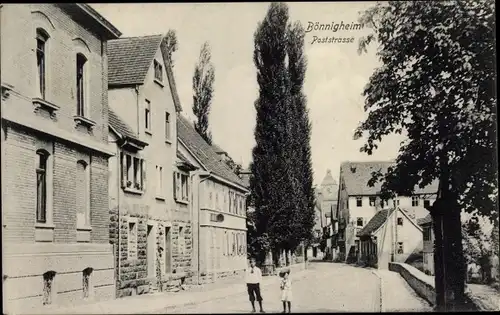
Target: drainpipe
(118, 151)
(136, 88)
(197, 208)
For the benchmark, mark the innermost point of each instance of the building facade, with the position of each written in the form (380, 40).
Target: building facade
(149, 189)
(390, 235)
(54, 155)
(428, 244)
(219, 210)
(359, 202)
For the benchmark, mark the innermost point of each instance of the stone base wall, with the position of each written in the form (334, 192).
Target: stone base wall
(25, 265)
(172, 261)
(221, 276)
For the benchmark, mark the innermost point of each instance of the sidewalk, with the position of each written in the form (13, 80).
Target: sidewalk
(157, 302)
(397, 295)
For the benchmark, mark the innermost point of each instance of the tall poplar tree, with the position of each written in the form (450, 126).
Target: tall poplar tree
(203, 81)
(301, 132)
(281, 182)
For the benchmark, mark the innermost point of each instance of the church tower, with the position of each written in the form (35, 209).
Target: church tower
(329, 193)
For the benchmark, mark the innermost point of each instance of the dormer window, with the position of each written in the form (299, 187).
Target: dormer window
(158, 71)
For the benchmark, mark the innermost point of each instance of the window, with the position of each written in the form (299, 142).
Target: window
(83, 194)
(427, 203)
(41, 192)
(80, 84)
(87, 285)
(48, 287)
(400, 221)
(181, 184)
(167, 126)
(372, 201)
(359, 201)
(359, 221)
(132, 240)
(159, 181)
(427, 233)
(41, 60)
(147, 116)
(158, 71)
(182, 240)
(133, 172)
(400, 248)
(414, 201)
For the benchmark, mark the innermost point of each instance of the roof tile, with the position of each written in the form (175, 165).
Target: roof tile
(129, 58)
(120, 126)
(357, 174)
(204, 151)
(376, 222)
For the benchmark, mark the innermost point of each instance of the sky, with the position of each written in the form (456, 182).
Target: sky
(335, 77)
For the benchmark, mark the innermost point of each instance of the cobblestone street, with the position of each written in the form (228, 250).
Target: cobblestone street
(326, 287)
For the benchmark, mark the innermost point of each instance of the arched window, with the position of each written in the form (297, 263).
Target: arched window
(41, 185)
(83, 194)
(42, 38)
(81, 86)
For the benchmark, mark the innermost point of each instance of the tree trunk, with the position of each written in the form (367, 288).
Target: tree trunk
(449, 262)
(437, 220)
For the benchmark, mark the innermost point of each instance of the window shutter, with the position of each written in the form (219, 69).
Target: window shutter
(123, 159)
(143, 172)
(175, 186)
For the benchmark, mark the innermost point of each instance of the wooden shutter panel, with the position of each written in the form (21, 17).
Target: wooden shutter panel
(175, 186)
(123, 159)
(143, 172)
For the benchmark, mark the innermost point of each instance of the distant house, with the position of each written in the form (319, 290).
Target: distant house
(358, 202)
(219, 239)
(391, 235)
(428, 247)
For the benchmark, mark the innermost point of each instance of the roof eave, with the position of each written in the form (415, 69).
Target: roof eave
(111, 31)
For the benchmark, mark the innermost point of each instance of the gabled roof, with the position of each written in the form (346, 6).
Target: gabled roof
(426, 220)
(380, 218)
(376, 222)
(129, 59)
(204, 151)
(357, 174)
(122, 129)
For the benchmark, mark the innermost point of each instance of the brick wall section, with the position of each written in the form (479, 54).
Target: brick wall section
(19, 184)
(99, 200)
(18, 193)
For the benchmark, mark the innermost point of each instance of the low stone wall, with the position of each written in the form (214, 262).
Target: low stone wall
(424, 287)
(419, 281)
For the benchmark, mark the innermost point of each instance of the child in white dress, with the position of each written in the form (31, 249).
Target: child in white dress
(286, 291)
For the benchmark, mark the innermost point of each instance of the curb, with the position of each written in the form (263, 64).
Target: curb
(380, 291)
